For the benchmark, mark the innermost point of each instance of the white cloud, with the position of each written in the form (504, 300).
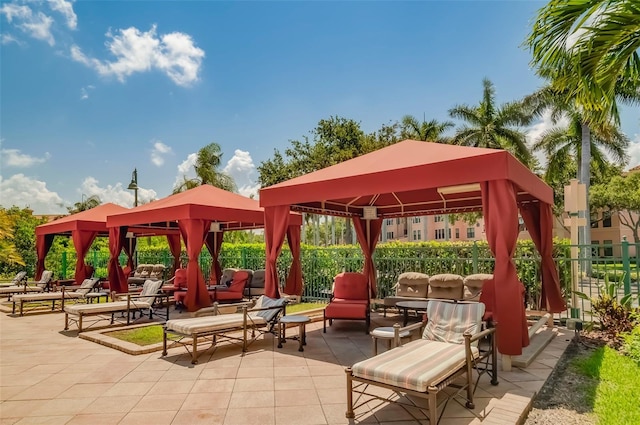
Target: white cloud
(8, 39)
(117, 194)
(243, 171)
(634, 152)
(536, 131)
(35, 24)
(14, 158)
(174, 54)
(84, 92)
(66, 9)
(186, 169)
(23, 191)
(159, 149)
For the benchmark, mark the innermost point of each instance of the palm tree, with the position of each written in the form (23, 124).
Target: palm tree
(207, 171)
(592, 46)
(563, 144)
(85, 204)
(431, 131)
(493, 126)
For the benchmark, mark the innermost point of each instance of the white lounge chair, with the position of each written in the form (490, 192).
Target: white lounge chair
(264, 314)
(17, 279)
(128, 305)
(36, 300)
(27, 286)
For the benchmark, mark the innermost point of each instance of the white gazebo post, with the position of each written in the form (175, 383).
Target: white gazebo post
(575, 200)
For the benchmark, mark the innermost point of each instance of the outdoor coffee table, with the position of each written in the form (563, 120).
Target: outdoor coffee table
(417, 306)
(299, 320)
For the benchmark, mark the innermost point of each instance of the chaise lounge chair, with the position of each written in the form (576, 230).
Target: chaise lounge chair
(36, 300)
(27, 286)
(128, 305)
(423, 368)
(264, 314)
(17, 279)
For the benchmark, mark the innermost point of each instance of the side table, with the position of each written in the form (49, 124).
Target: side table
(385, 332)
(299, 320)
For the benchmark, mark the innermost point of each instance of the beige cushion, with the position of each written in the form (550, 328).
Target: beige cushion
(99, 308)
(222, 322)
(413, 284)
(446, 286)
(473, 285)
(46, 296)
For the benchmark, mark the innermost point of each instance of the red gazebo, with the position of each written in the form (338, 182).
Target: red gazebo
(413, 178)
(200, 215)
(82, 227)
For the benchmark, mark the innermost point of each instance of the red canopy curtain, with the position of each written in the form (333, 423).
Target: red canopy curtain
(276, 222)
(214, 243)
(175, 248)
(43, 245)
(194, 233)
(117, 279)
(82, 241)
(129, 246)
(294, 279)
(538, 218)
(501, 225)
(368, 232)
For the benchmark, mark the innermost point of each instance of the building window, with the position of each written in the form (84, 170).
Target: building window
(471, 232)
(416, 235)
(608, 248)
(457, 233)
(439, 234)
(449, 233)
(405, 231)
(594, 220)
(416, 220)
(389, 221)
(389, 235)
(606, 219)
(397, 221)
(438, 218)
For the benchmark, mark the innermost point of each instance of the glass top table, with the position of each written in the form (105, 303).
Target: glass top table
(417, 306)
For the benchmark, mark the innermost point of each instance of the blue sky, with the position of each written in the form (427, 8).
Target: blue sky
(91, 90)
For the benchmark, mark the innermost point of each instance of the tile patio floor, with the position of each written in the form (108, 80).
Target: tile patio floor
(48, 376)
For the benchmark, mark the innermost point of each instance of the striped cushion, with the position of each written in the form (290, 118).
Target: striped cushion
(78, 309)
(415, 365)
(448, 321)
(213, 323)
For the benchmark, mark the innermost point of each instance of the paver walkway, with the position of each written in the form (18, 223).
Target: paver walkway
(48, 376)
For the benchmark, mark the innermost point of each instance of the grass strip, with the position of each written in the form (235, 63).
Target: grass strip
(615, 395)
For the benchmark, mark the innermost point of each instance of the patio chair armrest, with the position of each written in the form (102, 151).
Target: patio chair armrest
(479, 335)
(214, 310)
(397, 330)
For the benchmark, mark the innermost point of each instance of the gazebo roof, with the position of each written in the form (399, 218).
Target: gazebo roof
(206, 202)
(93, 220)
(408, 178)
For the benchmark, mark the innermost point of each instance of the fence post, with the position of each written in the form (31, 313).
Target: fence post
(64, 265)
(474, 253)
(95, 259)
(626, 266)
(243, 258)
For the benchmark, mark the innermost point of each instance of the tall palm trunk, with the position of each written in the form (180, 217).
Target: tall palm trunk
(585, 178)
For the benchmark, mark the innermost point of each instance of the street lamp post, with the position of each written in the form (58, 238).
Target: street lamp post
(134, 186)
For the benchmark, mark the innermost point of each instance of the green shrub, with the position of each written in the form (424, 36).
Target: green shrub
(631, 341)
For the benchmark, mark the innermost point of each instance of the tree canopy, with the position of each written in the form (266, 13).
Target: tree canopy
(207, 167)
(621, 194)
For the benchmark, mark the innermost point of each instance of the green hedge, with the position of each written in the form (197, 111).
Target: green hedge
(321, 264)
